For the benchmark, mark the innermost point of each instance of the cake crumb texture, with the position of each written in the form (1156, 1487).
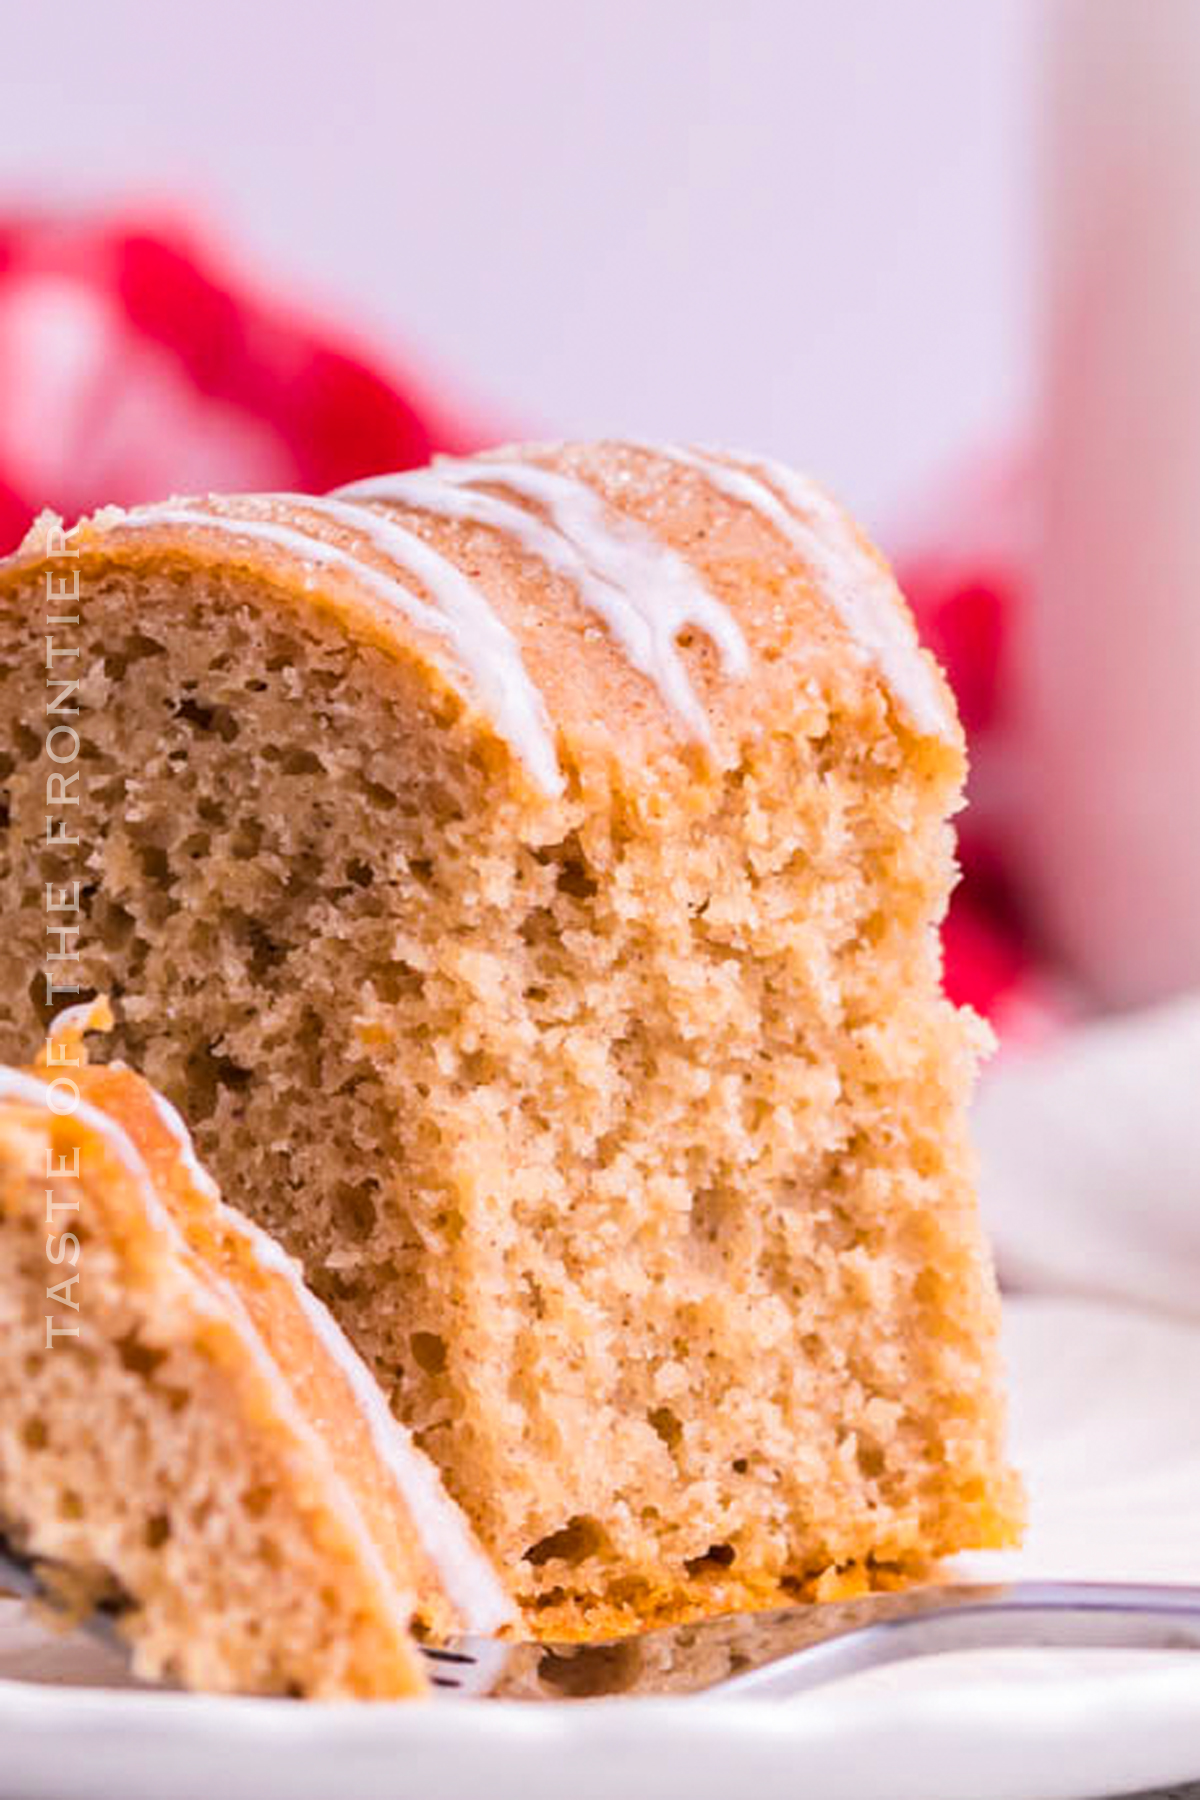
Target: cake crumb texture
(623, 1129)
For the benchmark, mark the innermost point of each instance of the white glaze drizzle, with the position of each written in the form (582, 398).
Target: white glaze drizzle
(855, 584)
(593, 551)
(468, 1578)
(197, 1174)
(482, 643)
(644, 592)
(470, 1582)
(426, 491)
(485, 645)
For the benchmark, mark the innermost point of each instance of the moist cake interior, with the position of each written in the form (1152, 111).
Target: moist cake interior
(630, 1157)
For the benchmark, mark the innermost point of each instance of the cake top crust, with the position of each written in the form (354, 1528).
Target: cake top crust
(550, 583)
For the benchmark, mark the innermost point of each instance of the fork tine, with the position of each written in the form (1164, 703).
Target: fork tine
(468, 1666)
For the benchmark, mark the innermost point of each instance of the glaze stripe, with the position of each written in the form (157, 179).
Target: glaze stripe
(647, 594)
(859, 588)
(482, 643)
(424, 490)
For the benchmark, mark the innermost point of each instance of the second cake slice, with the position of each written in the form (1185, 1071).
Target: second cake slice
(184, 1430)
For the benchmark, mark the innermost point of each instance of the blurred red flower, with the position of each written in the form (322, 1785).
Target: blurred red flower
(135, 363)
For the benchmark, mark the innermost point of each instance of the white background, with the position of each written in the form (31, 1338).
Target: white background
(802, 226)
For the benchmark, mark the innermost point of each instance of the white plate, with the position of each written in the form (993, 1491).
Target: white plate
(1107, 1428)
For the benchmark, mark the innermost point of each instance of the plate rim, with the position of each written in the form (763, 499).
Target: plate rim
(1005, 1736)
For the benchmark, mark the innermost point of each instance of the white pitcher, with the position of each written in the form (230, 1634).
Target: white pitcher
(1109, 687)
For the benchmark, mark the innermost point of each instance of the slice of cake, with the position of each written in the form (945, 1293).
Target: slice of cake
(524, 875)
(184, 1429)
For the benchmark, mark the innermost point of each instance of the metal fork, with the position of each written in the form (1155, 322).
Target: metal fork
(773, 1655)
(777, 1654)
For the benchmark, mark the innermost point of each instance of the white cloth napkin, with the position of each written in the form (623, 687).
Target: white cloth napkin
(1090, 1150)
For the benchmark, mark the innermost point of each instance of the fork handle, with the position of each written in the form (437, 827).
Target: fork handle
(1028, 1615)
